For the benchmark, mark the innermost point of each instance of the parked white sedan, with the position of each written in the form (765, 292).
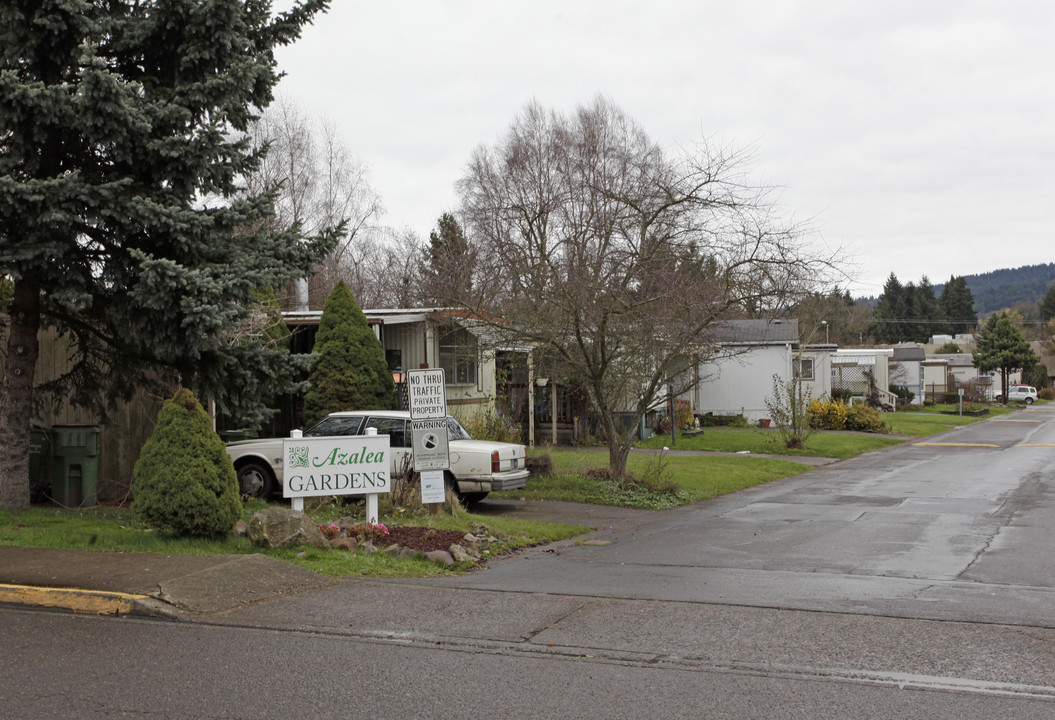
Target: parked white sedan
(477, 466)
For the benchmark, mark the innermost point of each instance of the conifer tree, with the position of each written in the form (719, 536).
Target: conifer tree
(1002, 347)
(448, 273)
(121, 224)
(351, 372)
(957, 305)
(1047, 305)
(184, 481)
(889, 311)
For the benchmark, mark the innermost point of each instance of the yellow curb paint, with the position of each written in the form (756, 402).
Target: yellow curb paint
(86, 601)
(925, 444)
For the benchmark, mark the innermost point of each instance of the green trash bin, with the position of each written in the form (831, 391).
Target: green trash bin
(39, 463)
(74, 465)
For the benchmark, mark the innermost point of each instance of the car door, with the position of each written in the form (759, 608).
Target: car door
(398, 438)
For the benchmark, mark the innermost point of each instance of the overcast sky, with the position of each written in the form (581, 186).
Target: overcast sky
(919, 136)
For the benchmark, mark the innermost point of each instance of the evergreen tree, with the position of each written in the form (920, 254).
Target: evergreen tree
(1001, 346)
(350, 373)
(930, 315)
(1047, 305)
(121, 150)
(957, 305)
(889, 311)
(184, 481)
(450, 261)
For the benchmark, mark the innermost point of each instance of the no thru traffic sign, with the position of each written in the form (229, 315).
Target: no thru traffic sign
(427, 394)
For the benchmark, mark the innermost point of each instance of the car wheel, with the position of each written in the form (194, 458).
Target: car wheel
(255, 480)
(465, 498)
(1029, 401)
(471, 498)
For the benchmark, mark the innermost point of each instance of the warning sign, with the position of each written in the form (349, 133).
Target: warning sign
(429, 442)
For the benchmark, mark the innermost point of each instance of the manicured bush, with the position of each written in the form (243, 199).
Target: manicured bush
(827, 414)
(1047, 394)
(351, 372)
(865, 419)
(184, 482)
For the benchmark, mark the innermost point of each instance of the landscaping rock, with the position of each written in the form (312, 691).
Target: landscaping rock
(241, 529)
(347, 522)
(283, 527)
(461, 554)
(344, 543)
(441, 555)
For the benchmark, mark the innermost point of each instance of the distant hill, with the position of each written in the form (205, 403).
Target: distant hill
(1001, 289)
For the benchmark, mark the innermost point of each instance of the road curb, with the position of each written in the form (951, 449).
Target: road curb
(96, 602)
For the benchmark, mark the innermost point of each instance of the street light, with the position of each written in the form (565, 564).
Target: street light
(400, 379)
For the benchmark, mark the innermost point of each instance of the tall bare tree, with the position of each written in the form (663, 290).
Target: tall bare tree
(321, 184)
(617, 258)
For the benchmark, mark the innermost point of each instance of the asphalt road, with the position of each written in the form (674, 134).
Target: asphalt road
(912, 582)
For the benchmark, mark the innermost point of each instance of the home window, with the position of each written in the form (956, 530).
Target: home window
(804, 369)
(458, 356)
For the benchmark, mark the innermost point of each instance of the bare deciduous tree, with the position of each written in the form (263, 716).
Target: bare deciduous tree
(321, 185)
(616, 258)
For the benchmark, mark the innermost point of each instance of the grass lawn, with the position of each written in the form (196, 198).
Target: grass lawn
(690, 479)
(934, 419)
(115, 530)
(769, 442)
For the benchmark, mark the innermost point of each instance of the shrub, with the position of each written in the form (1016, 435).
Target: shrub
(827, 415)
(865, 419)
(789, 408)
(539, 464)
(738, 421)
(903, 392)
(1047, 394)
(683, 413)
(491, 425)
(842, 395)
(184, 481)
(351, 372)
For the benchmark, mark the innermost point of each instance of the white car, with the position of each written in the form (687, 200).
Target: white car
(1020, 393)
(477, 466)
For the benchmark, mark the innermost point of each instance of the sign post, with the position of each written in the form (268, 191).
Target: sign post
(427, 401)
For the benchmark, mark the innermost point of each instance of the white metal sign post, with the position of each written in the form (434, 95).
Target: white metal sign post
(427, 399)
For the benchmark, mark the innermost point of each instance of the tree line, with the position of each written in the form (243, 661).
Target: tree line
(911, 312)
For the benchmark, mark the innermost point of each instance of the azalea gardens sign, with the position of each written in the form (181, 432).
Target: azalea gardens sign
(349, 465)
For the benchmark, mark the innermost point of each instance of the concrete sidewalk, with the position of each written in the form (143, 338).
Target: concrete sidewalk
(143, 583)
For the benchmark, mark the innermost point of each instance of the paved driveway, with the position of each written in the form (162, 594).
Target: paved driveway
(956, 526)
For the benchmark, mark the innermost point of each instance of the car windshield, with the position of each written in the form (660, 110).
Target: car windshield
(335, 425)
(455, 431)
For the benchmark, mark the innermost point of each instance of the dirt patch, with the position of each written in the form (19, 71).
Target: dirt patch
(423, 538)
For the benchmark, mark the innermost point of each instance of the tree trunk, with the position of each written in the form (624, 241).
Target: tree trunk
(16, 394)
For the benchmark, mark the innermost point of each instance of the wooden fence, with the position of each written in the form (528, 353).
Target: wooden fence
(121, 436)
